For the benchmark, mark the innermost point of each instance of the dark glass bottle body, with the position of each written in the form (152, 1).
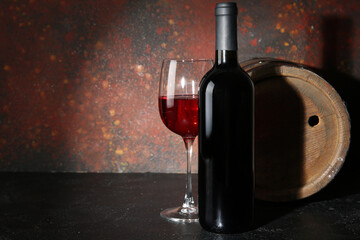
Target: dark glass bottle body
(226, 148)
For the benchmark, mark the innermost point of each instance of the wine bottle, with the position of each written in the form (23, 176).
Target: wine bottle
(226, 144)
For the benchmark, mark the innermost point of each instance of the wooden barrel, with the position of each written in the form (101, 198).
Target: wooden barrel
(302, 130)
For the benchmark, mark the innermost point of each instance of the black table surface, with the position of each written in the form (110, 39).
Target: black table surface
(127, 206)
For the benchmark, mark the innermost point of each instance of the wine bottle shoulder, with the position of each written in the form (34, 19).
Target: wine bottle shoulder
(227, 77)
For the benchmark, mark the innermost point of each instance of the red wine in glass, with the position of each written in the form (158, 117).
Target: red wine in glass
(179, 113)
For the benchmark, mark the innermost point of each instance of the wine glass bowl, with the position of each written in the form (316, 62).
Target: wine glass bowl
(180, 114)
(178, 106)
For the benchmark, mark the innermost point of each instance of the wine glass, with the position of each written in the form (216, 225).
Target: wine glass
(178, 107)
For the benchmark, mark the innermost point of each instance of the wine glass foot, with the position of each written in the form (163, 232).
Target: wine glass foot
(180, 214)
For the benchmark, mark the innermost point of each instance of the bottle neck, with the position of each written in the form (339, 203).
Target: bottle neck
(226, 36)
(226, 57)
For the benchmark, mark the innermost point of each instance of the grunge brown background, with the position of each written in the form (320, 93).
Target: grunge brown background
(79, 79)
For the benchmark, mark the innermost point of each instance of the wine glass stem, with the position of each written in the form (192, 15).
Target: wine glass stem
(189, 199)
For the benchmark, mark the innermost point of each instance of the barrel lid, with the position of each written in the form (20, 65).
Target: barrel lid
(302, 130)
